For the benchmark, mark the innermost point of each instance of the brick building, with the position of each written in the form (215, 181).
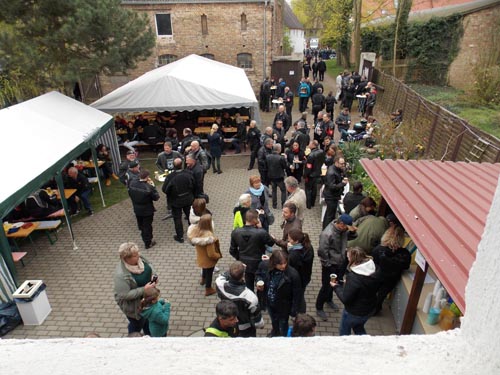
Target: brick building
(244, 33)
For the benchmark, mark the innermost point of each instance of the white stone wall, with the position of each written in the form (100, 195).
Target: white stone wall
(298, 41)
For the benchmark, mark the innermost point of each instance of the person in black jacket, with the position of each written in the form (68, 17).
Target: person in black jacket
(301, 257)
(359, 292)
(266, 149)
(78, 181)
(283, 116)
(321, 69)
(143, 193)
(392, 259)
(351, 200)
(179, 186)
(334, 187)
(312, 172)
(318, 103)
(196, 169)
(248, 244)
(276, 165)
(253, 141)
(283, 290)
(295, 158)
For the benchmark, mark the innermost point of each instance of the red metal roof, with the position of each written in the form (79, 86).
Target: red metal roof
(443, 207)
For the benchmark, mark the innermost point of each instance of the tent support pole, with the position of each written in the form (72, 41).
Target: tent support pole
(96, 166)
(6, 253)
(60, 186)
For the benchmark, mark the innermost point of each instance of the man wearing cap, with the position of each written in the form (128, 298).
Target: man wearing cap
(332, 254)
(143, 193)
(122, 171)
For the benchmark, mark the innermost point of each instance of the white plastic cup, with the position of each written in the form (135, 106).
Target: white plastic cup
(333, 277)
(260, 283)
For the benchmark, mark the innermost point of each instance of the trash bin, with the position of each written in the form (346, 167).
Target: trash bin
(32, 302)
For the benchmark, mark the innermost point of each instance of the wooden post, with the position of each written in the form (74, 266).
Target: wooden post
(433, 128)
(458, 144)
(411, 307)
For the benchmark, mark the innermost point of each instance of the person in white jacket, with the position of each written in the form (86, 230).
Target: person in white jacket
(231, 286)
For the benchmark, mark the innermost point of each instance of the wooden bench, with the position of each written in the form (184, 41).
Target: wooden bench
(17, 256)
(49, 228)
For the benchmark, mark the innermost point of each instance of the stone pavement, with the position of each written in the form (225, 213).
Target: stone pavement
(80, 283)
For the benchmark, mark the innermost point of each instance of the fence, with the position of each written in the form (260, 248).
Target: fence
(449, 136)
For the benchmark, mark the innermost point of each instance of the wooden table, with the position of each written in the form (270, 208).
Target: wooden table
(67, 193)
(204, 119)
(202, 130)
(88, 164)
(50, 227)
(23, 233)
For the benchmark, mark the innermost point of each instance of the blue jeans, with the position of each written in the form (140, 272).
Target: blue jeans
(280, 325)
(84, 196)
(356, 323)
(135, 325)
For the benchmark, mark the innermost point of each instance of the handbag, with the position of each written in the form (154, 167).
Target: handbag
(213, 250)
(270, 219)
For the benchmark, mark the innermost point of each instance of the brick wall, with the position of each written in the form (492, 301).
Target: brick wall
(476, 40)
(224, 40)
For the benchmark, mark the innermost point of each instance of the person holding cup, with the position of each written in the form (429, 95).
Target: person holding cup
(359, 292)
(133, 276)
(282, 289)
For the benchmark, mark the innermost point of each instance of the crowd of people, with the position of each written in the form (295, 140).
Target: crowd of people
(361, 254)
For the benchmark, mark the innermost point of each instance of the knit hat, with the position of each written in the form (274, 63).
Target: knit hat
(133, 164)
(346, 219)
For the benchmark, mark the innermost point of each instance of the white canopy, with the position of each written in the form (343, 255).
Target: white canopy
(188, 84)
(38, 136)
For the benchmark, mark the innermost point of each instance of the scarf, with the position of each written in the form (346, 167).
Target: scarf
(257, 192)
(137, 269)
(275, 277)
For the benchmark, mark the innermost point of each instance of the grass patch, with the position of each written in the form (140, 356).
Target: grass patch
(332, 69)
(484, 117)
(117, 192)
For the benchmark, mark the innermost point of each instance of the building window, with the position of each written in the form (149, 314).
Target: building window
(244, 60)
(243, 22)
(166, 59)
(208, 56)
(163, 25)
(204, 24)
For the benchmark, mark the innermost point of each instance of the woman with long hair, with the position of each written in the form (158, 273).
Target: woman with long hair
(208, 253)
(392, 259)
(283, 291)
(295, 158)
(359, 292)
(301, 257)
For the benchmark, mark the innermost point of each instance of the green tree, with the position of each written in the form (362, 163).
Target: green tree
(46, 44)
(401, 30)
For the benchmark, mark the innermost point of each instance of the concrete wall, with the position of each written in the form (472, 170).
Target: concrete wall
(225, 38)
(298, 42)
(477, 41)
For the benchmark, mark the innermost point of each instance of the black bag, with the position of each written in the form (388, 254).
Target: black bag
(9, 317)
(204, 196)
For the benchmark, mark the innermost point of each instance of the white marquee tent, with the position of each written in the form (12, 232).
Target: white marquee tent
(188, 84)
(39, 138)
